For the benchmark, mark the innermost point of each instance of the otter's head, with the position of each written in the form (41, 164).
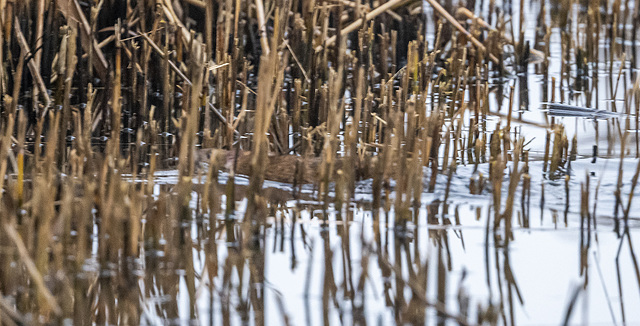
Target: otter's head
(221, 158)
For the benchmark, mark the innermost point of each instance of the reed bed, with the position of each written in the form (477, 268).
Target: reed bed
(100, 97)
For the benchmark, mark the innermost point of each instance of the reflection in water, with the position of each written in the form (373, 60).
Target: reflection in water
(356, 265)
(460, 258)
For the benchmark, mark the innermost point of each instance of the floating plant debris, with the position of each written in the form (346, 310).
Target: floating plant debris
(564, 110)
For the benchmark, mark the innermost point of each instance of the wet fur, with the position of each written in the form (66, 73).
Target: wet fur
(281, 168)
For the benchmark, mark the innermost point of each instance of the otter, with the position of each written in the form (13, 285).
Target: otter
(280, 168)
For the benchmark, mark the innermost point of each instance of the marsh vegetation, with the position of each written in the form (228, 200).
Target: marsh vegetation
(319, 162)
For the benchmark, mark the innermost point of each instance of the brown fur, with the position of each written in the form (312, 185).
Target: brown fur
(281, 168)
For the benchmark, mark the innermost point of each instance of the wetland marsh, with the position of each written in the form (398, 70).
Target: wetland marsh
(323, 162)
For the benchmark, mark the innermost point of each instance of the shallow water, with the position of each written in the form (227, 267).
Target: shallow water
(318, 265)
(448, 246)
(543, 258)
